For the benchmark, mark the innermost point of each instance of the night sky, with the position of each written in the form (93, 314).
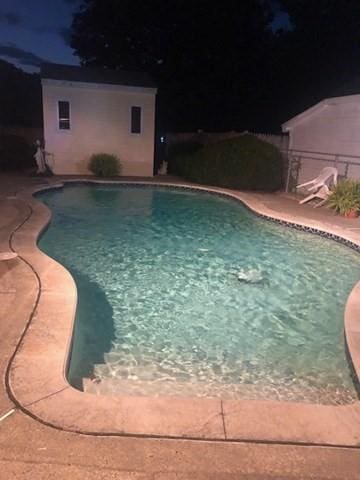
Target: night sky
(35, 31)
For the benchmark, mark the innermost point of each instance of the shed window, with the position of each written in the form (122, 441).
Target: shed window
(135, 119)
(64, 115)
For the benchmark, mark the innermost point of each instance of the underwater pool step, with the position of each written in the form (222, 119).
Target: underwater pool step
(115, 386)
(156, 388)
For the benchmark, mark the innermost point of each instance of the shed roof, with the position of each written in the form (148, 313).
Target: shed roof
(72, 73)
(317, 108)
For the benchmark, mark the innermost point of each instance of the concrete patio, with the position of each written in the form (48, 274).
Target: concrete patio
(30, 449)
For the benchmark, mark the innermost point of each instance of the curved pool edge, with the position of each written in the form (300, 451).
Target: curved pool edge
(38, 384)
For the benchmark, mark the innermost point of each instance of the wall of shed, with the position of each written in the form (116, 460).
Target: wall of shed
(100, 122)
(335, 130)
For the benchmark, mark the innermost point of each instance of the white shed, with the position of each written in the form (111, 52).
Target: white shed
(327, 134)
(90, 111)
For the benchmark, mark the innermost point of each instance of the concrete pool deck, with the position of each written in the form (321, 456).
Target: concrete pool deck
(46, 397)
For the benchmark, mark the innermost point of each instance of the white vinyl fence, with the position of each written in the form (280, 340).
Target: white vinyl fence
(305, 165)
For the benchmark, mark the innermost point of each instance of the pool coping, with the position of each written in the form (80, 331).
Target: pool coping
(36, 375)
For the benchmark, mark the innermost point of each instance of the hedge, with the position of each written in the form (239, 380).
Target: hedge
(242, 163)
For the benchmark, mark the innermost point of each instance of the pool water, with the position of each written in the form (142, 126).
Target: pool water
(188, 293)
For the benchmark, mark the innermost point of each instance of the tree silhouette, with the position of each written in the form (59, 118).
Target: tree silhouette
(219, 65)
(208, 59)
(20, 97)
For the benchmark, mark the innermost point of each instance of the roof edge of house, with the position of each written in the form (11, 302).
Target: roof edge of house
(75, 73)
(289, 124)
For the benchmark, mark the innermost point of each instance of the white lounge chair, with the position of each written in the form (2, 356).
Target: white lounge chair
(323, 193)
(319, 185)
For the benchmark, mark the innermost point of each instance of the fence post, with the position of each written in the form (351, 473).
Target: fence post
(289, 171)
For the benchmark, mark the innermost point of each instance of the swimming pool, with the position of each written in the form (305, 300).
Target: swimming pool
(187, 293)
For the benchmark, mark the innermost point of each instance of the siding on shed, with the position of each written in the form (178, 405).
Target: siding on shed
(100, 117)
(333, 127)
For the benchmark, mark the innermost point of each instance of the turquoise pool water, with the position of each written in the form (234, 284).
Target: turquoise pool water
(187, 293)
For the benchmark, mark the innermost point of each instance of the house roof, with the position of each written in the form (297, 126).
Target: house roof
(72, 73)
(317, 108)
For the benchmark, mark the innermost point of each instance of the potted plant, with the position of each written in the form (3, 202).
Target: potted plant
(345, 198)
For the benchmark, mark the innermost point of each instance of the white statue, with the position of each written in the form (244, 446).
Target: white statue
(40, 158)
(163, 168)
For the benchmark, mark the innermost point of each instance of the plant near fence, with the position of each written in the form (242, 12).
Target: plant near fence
(245, 162)
(104, 165)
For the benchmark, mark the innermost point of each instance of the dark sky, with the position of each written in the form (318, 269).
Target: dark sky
(33, 31)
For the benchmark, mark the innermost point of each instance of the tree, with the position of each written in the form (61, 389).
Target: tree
(20, 97)
(209, 59)
(219, 65)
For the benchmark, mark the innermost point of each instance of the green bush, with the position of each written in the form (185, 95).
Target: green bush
(244, 163)
(345, 197)
(104, 165)
(16, 153)
(177, 151)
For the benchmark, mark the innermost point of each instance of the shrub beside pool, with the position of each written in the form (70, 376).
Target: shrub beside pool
(244, 163)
